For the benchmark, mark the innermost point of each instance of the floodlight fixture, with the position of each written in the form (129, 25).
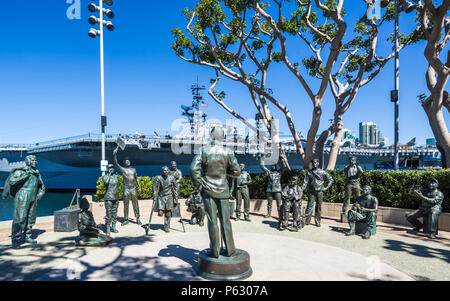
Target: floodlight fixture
(93, 20)
(109, 25)
(93, 33)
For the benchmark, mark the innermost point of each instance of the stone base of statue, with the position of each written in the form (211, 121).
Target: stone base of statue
(99, 241)
(236, 267)
(344, 218)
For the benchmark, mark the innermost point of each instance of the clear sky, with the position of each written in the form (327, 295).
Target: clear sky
(49, 76)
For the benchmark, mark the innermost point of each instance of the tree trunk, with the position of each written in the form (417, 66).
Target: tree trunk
(438, 126)
(311, 140)
(335, 147)
(320, 145)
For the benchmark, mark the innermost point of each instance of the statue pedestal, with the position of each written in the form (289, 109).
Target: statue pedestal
(236, 267)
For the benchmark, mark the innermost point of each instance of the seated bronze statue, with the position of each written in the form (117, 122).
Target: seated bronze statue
(292, 202)
(196, 206)
(429, 210)
(90, 235)
(364, 211)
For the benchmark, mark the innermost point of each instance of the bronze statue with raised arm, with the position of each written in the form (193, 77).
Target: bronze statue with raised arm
(130, 179)
(273, 185)
(26, 186)
(315, 183)
(430, 208)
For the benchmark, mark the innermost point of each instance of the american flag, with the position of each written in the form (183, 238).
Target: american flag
(204, 104)
(155, 133)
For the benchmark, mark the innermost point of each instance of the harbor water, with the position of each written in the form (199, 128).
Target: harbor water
(52, 201)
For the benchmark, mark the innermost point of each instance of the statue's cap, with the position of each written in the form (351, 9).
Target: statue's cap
(84, 204)
(110, 165)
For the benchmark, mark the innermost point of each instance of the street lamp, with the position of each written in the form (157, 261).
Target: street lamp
(93, 33)
(400, 6)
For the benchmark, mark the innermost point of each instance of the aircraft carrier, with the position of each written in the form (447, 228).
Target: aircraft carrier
(74, 162)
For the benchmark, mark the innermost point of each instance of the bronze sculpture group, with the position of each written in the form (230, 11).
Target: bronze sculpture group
(210, 171)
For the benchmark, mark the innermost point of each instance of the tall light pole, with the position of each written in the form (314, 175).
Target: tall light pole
(93, 33)
(396, 88)
(399, 6)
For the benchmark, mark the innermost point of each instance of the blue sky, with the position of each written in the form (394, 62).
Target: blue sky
(49, 77)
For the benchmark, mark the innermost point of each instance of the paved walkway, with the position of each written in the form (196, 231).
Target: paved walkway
(323, 253)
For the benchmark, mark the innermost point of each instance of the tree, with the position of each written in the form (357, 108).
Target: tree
(240, 39)
(434, 20)
(359, 67)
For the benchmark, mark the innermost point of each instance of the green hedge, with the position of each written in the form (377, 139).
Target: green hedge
(390, 187)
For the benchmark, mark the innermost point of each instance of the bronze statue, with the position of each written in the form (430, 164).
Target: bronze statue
(273, 186)
(196, 206)
(130, 179)
(292, 202)
(90, 235)
(430, 208)
(26, 186)
(217, 162)
(177, 175)
(165, 195)
(314, 181)
(364, 210)
(111, 198)
(352, 188)
(241, 185)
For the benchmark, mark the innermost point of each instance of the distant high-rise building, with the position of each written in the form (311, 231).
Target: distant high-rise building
(431, 142)
(369, 133)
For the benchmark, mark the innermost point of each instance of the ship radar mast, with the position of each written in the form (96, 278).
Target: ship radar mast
(193, 112)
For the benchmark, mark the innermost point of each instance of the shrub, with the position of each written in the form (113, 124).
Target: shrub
(146, 186)
(390, 187)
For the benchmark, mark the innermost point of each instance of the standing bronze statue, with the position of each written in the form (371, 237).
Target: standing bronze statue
(111, 198)
(90, 235)
(216, 162)
(195, 205)
(430, 208)
(177, 175)
(292, 202)
(26, 186)
(353, 173)
(165, 195)
(130, 179)
(273, 186)
(242, 193)
(314, 181)
(364, 210)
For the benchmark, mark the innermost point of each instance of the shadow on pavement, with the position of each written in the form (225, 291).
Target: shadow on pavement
(188, 255)
(18, 264)
(272, 224)
(418, 250)
(124, 267)
(338, 229)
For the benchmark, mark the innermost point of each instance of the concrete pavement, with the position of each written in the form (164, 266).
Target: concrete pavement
(323, 253)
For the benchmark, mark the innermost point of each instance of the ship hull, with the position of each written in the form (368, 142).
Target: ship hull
(72, 168)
